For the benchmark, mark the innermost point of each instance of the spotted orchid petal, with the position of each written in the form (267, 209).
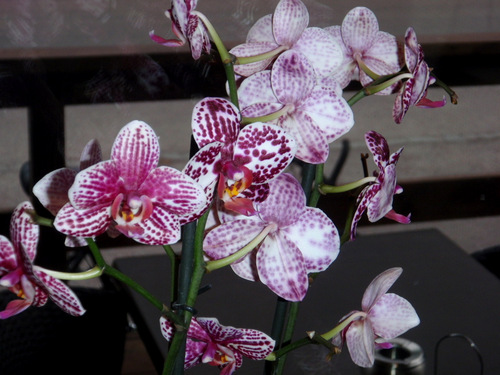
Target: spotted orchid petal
(87, 223)
(135, 152)
(8, 259)
(287, 279)
(292, 78)
(264, 149)
(252, 49)
(379, 286)
(317, 237)
(360, 341)
(61, 294)
(359, 28)
(52, 189)
(328, 54)
(215, 120)
(162, 227)
(392, 315)
(289, 21)
(23, 232)
(257, 89)
(379, 148)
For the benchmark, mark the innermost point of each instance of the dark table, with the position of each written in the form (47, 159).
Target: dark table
(451, 292)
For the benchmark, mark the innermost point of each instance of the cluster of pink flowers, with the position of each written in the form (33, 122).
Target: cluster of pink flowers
(290, 106)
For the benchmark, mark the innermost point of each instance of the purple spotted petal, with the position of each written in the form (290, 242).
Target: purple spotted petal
(392, 315)
(381, 203)
(326, 54)
(329, 111)
(201, 166)
(264, 149)
(382, 56)
(252, 344)
(91, 154)
(52, 189)
(96, 185)
(252, 49)
(379, 286)
(230, 237)
(359, 28)
(215, 120)
(262, 30)
(256, 89)
(316, 237)
(363, 200)
(167, 330)
(262, 109)
(61, 294)
(345, 72)
(312, 145)
(379, 147)
(285, 203)
(173, 190)
(135, 152)
(281, 267)
(361, 343)
(161, 228)
(292, 77)
(87, 223)
(246, 268)
(8, 258)
(290, 19)
(23, 232)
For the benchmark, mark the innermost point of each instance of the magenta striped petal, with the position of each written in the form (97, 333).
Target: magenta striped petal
(264, 149)
(161, 228)
(173, 190)
(281, 267)
(52, 189)
(23, 232)
(215, 120)
(91, 154)
(253, 344)
(61, 294)
(290, 19)
(136, 152)
(96, 185)
(8, 258)
(87, 223)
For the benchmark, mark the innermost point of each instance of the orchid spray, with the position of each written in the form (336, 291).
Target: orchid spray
(237, 203)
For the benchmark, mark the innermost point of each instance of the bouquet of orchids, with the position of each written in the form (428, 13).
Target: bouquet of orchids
(236, 201)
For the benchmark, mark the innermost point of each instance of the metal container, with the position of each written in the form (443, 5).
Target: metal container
(404, 358)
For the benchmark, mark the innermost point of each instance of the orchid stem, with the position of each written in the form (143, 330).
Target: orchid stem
(85, 275)
(260, 57)
(328, 189)
(219, 263)
(453, 95)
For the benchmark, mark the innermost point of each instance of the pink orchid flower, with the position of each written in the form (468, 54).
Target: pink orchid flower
(377, 197)
(414, 90)
(52, 189)
(300, 240)
(26, 280)
(242, 161)
(186, 26)
(210, 342)
(286, 29)
(130, 193)
(383, 316)
(314, 115)
(364, 45)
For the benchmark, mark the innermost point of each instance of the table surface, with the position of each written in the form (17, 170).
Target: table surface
(451, 292)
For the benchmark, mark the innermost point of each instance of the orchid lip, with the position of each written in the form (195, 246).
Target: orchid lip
(132, 209)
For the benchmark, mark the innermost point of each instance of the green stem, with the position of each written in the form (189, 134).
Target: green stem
(453, 95)
(260, 57)
(280, 313)
(85, 275)
(328, 189)
(174, 267)
(219, 263)
(288, 334)
(226, 58)
(318, 181)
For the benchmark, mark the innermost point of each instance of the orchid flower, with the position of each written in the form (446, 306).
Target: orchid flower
(210, 342)
(187, 26)
(367, 51)
(52, 189)
(414, 90)
(377, 197)
(314, 115)
(286, 29)
(383, 316)
(26, 280)
(298, 240)
(130, 193)
(241, 161)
